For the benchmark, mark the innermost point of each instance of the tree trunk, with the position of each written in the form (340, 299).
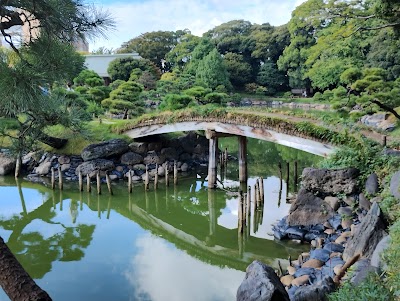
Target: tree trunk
(18, 165)
(55, 142)
(15, 281)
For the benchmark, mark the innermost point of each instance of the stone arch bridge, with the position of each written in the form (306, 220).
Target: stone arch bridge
(269, 129)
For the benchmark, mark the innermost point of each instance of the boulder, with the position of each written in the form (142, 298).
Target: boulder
(361, 270)
(131, 158)
(7, 164)
(395, 185)
(318, 291)
(327, 181)
(184, 167)
(170, 153)
(140, 148)
(153, 158)
(334, 202)
(89, 167)
(367, 235)
(154, 146)
(372, 185)
(43, 168)
(64, 160)
(161, 171)
(376, 260)
(261, 284)
(363, 202)
(107, 149)
(308, 209)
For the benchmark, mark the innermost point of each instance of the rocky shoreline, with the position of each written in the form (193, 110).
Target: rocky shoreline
(116, 158)
(343, 227)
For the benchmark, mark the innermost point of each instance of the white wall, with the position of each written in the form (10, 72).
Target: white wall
(99, 62)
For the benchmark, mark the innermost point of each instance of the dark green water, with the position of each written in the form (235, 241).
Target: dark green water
(176, 243)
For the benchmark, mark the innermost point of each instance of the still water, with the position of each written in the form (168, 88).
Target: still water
(175, 243)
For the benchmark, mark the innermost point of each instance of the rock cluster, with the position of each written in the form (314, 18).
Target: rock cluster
(340, 223)
(116, 157)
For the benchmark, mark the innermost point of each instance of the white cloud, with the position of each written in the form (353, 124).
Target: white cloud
(134, 18)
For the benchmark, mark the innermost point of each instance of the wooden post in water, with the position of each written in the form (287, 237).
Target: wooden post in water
(60, 178)
(175, 173)
(295, 175)
(130, 181)
(146, 179)
(98, 181)
(53, 178)
(80, 181)
(226, 156)
(166, 174)
(156, 178)
(108, 180)
(262, 190)
(242, 159)
(287, 177)
(384, 140)
(240, 212)
(88, 187)
(212, 163)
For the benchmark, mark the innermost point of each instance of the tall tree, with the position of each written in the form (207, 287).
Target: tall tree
(121, 68)
(181, 54)
(154, 46)
(306, 19)
(212, 71)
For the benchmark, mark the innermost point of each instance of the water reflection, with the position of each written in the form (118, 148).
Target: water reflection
(161, 272)
(181, 242)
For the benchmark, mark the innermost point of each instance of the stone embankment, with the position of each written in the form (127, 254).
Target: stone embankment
(343, 226)
(116, 158)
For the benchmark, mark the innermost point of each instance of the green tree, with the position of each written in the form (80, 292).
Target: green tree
(240, 71)
(125, 99)
(199, 53)
(181, 54)
(154, 46)
(269, 76)
(212, 71)
(121, 68)
(306, 19)
(176, 102)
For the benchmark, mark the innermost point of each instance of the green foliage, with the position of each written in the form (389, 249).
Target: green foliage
(115, 84)
(212, 71)
(371, 289)
(240, 71)
(85, 75)
(124, 98)
(269, 76)
(121, 68)
(216, 98)
(197, 92)
(175, 102)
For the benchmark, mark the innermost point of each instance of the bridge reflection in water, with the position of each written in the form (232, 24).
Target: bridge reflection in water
(118, 245)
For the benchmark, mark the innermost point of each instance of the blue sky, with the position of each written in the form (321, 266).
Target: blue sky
(140, 16)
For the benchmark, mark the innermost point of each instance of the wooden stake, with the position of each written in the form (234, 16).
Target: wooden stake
(88, 187)
(226, 156)
(295, 175)
(287, 175)
(108, 180)
(175, 174)
(60, 178)
(156, 178)
(98, 182)
(240, 212)
(166, 174)
(80, 181)
(262, 190)
(146, 179)
(53, 178)
(384, 140)
(130, 181)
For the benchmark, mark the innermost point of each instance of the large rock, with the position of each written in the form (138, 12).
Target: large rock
(367, 235)
(153, 158)
(329, 181)
(308, 209)
(318, 291)
(395, 185)
(170, 153)
(89, 167)
(140, 148)
(372, 185)
(43, 168)
(261, 284)
(131, 158)
(379, 121)
(107, 149)
(7, 164)
(376, 258)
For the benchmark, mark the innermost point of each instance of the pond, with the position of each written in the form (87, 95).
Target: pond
(174, 243)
